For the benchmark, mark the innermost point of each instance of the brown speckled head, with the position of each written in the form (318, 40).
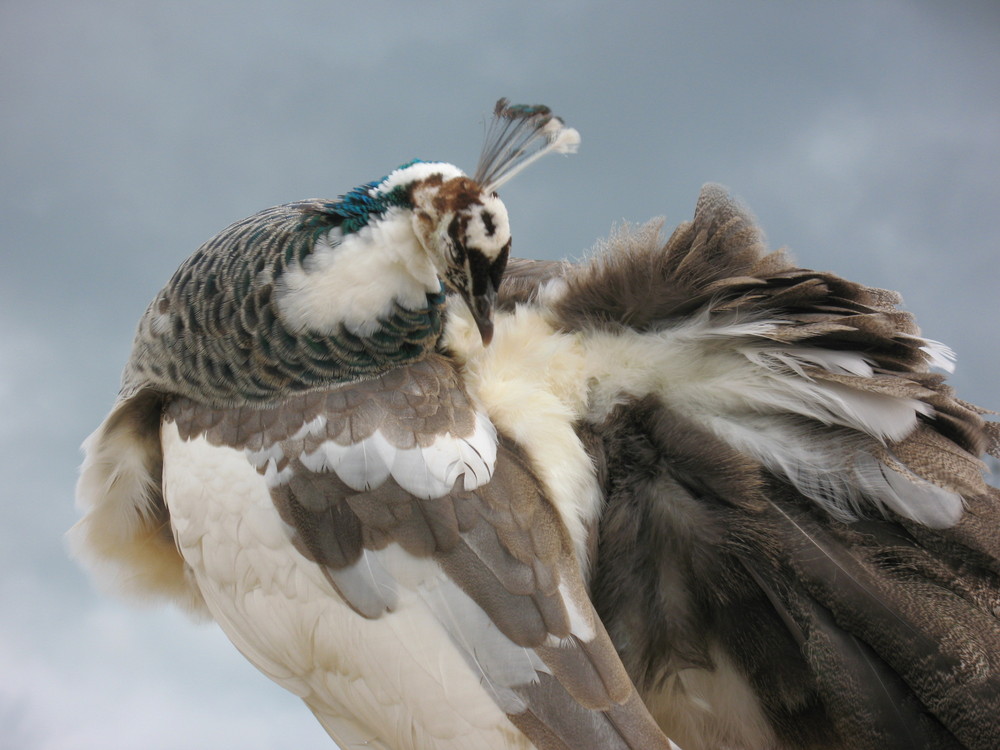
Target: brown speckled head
(466, 232)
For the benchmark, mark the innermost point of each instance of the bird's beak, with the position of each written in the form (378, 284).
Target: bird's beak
(481, 306)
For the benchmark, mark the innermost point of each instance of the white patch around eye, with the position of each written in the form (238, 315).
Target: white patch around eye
(490, 244)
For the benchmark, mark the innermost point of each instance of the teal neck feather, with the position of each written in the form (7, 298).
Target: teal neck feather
(356, 207)
(213, 333)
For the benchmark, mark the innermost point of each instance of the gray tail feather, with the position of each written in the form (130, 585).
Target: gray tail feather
(900, 650)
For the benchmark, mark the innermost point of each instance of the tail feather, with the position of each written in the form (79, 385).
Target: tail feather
(907, 614)
(867, 561)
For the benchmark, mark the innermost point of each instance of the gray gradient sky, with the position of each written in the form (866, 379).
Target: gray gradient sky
(864, 135)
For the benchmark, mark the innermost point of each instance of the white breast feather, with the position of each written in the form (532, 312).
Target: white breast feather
(400, 678)
(532, 383)
(355, 280)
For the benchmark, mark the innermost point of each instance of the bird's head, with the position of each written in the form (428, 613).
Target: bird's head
(459, 221)
(465, 232)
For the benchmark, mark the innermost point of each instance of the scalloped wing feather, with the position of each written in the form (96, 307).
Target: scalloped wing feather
(428, 615)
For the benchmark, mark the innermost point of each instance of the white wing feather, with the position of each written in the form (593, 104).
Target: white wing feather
(425, 674)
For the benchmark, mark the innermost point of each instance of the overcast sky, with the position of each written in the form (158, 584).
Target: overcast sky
(864, 135)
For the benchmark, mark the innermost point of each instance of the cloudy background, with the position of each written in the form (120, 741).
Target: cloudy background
(864, 135)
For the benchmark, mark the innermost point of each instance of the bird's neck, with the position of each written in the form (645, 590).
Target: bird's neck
(353, 307)
(355, 282)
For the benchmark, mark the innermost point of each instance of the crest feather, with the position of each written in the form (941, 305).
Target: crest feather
(518, 135)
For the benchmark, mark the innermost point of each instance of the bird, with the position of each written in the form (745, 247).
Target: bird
(681, 489)
(796, 546)
(297, 452)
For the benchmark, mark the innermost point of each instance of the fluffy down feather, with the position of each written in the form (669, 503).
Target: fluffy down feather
(793, 502)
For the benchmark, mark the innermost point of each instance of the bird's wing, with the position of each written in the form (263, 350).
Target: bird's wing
(709, 565)
(823, 381)
(379, 551)
(795, 504)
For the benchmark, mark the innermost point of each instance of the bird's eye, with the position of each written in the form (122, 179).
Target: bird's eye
(457, 234)
(488, 224)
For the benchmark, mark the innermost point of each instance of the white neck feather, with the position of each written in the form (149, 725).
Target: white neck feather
(355, 280)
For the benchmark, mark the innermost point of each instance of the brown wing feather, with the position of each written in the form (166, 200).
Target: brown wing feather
(502, 543)
(883, 632)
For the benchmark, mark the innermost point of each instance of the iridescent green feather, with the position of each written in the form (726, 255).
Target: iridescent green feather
(214, 334)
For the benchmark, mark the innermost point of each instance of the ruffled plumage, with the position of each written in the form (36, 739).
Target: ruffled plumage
(794, 504)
